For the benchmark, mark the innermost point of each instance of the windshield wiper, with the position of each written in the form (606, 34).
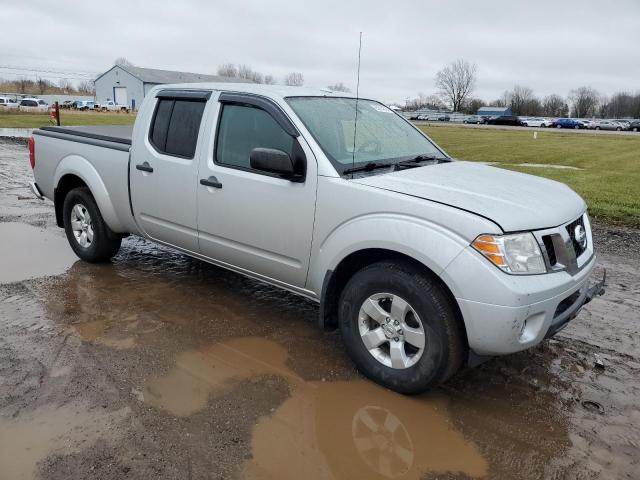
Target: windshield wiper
(367, 167)
(413, 162)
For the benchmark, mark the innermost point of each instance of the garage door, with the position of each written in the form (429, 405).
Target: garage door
(120, 94)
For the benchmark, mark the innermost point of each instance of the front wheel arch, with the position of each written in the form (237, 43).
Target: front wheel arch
(335, 281)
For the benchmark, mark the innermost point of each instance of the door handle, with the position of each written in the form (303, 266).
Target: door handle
(145, 167)
(210, 182)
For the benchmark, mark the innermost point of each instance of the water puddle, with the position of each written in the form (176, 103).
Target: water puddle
(30, 438)
(31, 252)
(325, 430)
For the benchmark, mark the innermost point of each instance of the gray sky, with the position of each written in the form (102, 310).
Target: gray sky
(549, 46)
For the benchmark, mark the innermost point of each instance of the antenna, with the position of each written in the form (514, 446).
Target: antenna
(355, 123)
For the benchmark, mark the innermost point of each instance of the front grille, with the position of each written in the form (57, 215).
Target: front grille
(571, 230)
(551, 251)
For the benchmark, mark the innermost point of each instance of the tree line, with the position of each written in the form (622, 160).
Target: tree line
(43, 86)
(456, 82)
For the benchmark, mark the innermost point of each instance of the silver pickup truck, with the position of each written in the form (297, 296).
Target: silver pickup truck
(424, 263)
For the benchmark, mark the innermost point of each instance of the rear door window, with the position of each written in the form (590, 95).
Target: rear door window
(175, 126)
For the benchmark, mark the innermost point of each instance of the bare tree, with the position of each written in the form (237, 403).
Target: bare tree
(43, 85)
(247, 73)
(456, 82)
(23, 83)
(554, 106)
(522, 101)
(87, 87)
(294, 79)
(65, 85)
(269, 80)
(122, 62)
(584, 102)
(472, 105)
(339, 87)
(227, 70)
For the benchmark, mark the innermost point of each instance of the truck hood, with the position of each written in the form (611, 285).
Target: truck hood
(515, 201)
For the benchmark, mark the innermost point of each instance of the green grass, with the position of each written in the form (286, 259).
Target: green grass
(36, 120)
(609, 179)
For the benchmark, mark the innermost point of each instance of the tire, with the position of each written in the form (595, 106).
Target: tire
(89, 236)
(577, 127)
(618, 129)
(597, 128)
(391, 360)
(558, 126)
(635, 129)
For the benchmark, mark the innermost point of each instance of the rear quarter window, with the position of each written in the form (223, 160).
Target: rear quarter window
(175, 126)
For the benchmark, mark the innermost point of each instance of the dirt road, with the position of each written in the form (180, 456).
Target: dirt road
(160, 366)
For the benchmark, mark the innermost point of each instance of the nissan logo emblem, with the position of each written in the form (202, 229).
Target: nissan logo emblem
(581, 236)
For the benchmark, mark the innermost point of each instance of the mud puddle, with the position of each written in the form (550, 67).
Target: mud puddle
(325, 430)
(30, 252)
(29, 439)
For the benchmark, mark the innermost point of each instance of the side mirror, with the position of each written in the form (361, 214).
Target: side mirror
(273, 161)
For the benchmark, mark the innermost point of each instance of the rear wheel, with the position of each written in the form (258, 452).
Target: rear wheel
(89, 236)
(597, 128)
(558, 126)
(400, 327)
(635, 129)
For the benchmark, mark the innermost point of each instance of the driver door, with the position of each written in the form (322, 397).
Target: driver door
(251, 220)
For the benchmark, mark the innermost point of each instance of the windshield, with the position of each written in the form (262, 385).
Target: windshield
(381, 135)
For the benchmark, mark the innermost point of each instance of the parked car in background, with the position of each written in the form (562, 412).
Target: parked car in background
(111, 106)
(626, 124)
(474, 119)
(85, 105)
(444, 118)
(7, 103)
(608, 125)
(67, 104)
(568, 123)
(33, 104)
(511, 120)
(587, 123)
(635, 126)
(536, 122)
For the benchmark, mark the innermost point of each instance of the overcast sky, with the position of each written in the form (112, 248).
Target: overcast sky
(550, 46)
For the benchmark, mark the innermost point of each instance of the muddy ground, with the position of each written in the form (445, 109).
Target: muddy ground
(160, 366)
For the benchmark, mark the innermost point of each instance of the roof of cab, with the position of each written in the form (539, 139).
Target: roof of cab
(273, 91)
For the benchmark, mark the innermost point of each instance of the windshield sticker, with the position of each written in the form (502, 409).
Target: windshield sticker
(380, 108)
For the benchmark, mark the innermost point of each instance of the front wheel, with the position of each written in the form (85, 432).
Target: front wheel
(400, 327)
(89, 236)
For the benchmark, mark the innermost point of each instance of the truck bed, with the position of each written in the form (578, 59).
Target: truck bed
(108, 133)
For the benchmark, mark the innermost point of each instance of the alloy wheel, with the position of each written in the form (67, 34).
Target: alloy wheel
(81, 225)
(391, 330)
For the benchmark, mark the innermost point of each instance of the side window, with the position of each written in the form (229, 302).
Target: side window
(243, 128)
(175, 126)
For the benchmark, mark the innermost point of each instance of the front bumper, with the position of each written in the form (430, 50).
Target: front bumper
(504, 313)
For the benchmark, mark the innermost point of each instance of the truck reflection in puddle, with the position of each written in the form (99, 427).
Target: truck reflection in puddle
(327, 430)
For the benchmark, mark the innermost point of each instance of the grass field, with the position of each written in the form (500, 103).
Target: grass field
(609, 175)
(35, 120)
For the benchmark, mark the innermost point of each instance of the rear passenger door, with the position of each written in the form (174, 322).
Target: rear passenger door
(164, 168)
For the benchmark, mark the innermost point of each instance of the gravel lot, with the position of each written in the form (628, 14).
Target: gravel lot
(161, 366)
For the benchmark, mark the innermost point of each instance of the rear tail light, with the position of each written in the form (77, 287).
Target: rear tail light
(32, 152)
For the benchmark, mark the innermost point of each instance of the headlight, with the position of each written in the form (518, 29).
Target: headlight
(518, 253)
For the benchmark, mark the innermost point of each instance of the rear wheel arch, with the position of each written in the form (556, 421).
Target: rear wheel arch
(335, 281)
(67, 183)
